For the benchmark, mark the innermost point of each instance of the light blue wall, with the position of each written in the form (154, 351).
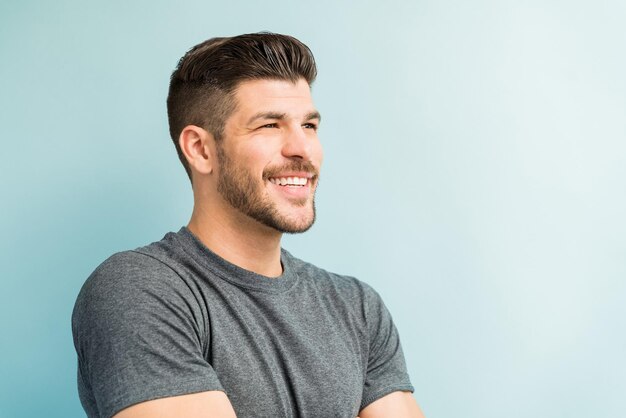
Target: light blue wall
(475, 175)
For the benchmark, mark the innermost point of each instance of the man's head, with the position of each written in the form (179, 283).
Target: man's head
(202, 86)
(245, 128)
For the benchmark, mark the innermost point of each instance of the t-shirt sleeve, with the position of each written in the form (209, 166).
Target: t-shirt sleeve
(139, 333)
(386, 368)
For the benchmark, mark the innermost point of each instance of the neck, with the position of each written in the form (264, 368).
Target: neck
(238, 239)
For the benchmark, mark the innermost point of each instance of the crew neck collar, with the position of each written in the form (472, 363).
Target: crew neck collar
(233, 273)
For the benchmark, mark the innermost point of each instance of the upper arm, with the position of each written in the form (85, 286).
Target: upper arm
(139, 334)
(210, 404)
(386, 370)
(396, 404)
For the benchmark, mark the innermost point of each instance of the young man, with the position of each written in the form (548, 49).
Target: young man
(216, 320)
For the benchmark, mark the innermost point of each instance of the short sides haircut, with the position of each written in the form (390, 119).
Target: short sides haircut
(202, 87)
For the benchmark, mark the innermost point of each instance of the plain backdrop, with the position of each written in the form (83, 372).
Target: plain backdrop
(474, 175)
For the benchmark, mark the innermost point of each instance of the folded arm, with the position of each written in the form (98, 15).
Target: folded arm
(210, 404)
(215, 404)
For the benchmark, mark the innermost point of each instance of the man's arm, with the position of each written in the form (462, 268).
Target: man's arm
(396, 404)
(210, 404)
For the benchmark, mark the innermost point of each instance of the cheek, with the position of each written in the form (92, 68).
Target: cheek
(257, 161)
(315, 151)
(253, 155)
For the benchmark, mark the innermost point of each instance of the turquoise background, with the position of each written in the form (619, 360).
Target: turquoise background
(475, 175)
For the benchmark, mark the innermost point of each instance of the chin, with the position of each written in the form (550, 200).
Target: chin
(298, 229)
(293, 225)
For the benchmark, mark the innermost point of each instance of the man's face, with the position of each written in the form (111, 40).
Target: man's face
(269, 157)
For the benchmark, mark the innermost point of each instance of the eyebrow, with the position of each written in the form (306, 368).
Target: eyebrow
(281, 116)
(313, 115)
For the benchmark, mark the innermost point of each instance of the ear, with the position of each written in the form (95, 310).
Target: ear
(198, 148)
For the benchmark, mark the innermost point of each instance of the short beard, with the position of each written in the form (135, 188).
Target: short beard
(243, 193)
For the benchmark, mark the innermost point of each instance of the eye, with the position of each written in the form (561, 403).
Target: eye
(310, 125)
(269, 125)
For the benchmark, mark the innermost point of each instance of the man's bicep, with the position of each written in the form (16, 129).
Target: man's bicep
(140, 335)
(210, 404)
(386, 369)
(396, 404)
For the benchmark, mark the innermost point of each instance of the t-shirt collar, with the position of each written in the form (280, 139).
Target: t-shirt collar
(235, 274)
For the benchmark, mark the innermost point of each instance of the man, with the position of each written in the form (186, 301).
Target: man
(217, 320)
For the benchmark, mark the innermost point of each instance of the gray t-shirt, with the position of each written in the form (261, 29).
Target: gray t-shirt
(174, 318)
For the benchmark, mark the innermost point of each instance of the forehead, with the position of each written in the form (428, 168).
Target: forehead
(292, 99)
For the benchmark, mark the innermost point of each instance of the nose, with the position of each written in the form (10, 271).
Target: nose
(299, 142)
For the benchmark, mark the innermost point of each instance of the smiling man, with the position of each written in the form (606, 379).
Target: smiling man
(216, 320)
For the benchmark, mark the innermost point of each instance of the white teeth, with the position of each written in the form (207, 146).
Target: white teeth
(289, 181)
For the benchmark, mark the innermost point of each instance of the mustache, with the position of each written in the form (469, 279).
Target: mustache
(297, 165)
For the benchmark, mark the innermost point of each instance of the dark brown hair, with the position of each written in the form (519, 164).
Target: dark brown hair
(203, 85)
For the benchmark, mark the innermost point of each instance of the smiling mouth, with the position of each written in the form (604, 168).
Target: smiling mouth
(289, 181)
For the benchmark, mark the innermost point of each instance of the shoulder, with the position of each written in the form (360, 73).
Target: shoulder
(141, 280)
(126, 271)
(145, 267)
(132, 291)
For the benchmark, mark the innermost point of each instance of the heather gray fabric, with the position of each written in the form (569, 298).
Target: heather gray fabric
(173, 318)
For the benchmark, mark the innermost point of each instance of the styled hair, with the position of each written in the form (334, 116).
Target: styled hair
(203, 85)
